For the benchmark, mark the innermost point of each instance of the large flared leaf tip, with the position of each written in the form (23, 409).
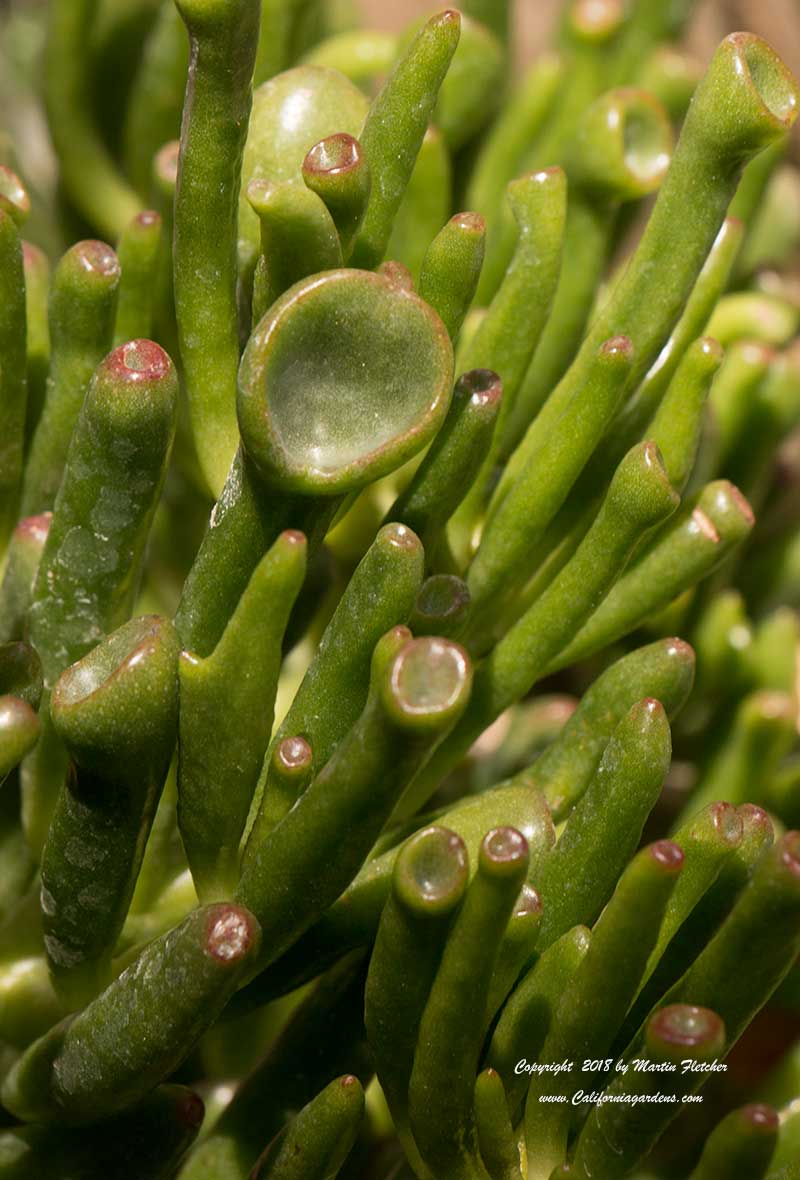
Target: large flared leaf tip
(432, 870)
(769, 78)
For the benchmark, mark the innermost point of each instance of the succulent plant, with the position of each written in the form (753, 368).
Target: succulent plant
(398, 617)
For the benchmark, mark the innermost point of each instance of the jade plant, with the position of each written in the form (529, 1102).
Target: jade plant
(400, 542)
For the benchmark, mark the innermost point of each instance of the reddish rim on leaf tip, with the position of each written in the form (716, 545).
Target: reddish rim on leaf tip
(400, 536)
(96, 257)
(472, 222)
(761, 1117)
(528, 902)
(504, 849)
(686, 1025)
(790, 852)
(230, 932)
(668, 854)
(334, 155)
(293, 753)
(618, 346)
(727, 822)
(36, 527)
(139, 360)
(679, 647)
(121, 651)
(191, 1110)
(483, 386)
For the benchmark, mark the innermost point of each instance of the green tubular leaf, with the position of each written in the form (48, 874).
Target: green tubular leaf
(451, 1033)
(693, 322)
(722, 636)
(14, 197)
(88, 172)
(594, 1003)
(496, 1139)
(418, 689)
(19, 732)
(516, 949)
(395, 125)
(507, 337)
(528, 1015)
(677, 424)
(588, 30)
(319, 1138)
(155, 101)
(225, 719)
(663, 670)
(472, 88)
(428, 884)
(770, 660)
(227, 702)
(279, 26)
(500, 156)
(772, 414)
(323, 1038)
(453, 459)
(640, 496)
(645, 26)
(707, 841)
(619, 152)
(336, 169)
(83, 302)
(380, 595)
(21, 673)
(753, 315)
(29, 1005)
(148, 1142)
(13, 376)
(788, 1137)
(223, 38)
(36, 266)
(362, 55)
(519, 522)
(124, 431)
(672, 77)
(691, 546)
(298, 238)
(605, 827)
(440, 607)
(764, 928)
(571, 523)
(278, 140)
(128, 1039)
(746, 101)
(138, 251)
(701, 925)
(618, 1134)
(90, 565)
(245, 521)
(117, 713)
(734, 393)
(762, 732)
(451, 268)
(426, 205)
(742, 1143)
(354, 917)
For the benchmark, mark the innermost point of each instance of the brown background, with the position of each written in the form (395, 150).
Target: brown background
(776, 20)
